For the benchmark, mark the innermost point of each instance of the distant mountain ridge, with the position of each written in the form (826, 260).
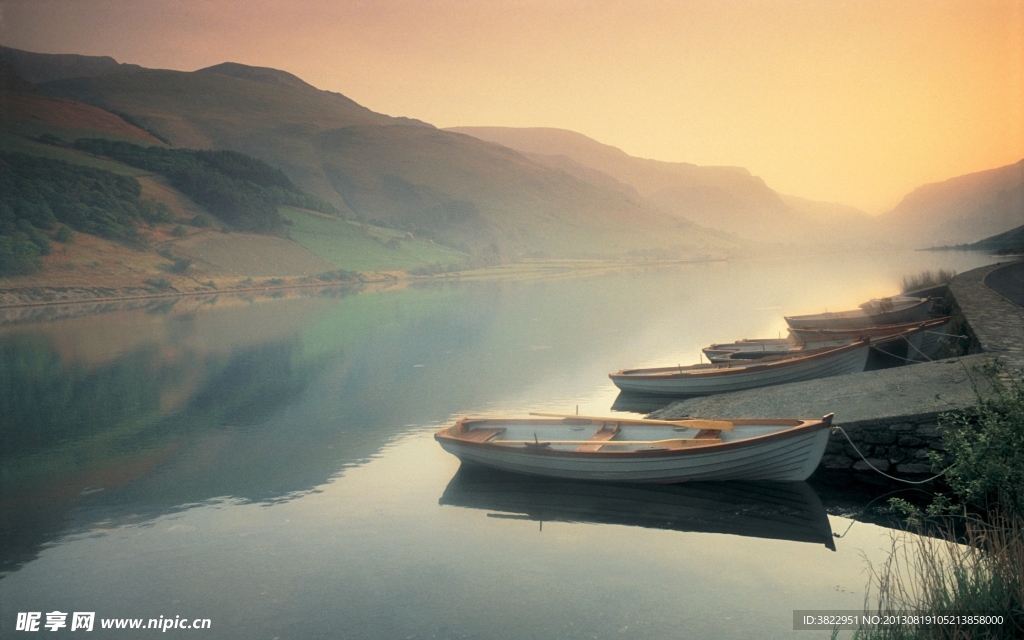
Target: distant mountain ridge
(390, 171)
(44, 67)
(725, 198)
(964, 209)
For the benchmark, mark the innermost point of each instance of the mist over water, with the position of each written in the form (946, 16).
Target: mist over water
(269, 464)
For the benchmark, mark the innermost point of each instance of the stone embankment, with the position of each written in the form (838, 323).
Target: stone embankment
(891, 415)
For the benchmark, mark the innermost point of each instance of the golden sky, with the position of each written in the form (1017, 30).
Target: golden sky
(850, 101)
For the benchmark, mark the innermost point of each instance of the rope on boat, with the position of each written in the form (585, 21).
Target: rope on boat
(837, 429)
(911, 346)
(893, 355)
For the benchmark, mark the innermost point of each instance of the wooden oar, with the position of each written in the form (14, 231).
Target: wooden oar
(711, 425)
(672, 443)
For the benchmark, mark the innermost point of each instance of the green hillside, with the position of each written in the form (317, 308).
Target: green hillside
(359, 247)
(452, 188)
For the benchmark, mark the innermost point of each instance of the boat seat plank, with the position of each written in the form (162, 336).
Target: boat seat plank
(705, 434)
(603, 435)
(481, 435)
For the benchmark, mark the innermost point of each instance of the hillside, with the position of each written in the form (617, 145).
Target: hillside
(961, 210)
(398, 172)
(729, 199)
(43, 67)
(1008, 242)
(137, 232)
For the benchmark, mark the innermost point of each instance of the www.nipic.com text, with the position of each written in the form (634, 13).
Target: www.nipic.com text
(85, 620)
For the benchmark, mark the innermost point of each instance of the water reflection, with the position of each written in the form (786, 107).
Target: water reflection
(302, 423)
(779, 510)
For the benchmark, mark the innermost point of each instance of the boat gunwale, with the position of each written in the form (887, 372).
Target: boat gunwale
(731, 368)
(874, 332)
(856, 314)
(803, 426)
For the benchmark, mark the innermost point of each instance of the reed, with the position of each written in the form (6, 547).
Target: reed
(926, 279)
(978, 572)
(972, 561)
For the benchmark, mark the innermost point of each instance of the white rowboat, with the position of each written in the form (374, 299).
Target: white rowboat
(622, 450)
(924, 338)
(708, 379)
(876, 312)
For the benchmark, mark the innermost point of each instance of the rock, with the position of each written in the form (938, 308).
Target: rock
(880, 437)
(834, 448)
(912, 467)
(910, 441)
(877, 463)
(836, 462)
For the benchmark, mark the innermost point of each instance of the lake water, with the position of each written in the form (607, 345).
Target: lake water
(268, 463)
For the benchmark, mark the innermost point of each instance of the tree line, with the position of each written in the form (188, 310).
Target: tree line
(37, 193)
(240, 190)
(40, 195)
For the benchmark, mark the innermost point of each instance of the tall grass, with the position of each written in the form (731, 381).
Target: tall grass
(926, 279)
(978, 569)
(981, 574)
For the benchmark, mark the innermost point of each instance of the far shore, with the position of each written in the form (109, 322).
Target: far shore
(34, 293)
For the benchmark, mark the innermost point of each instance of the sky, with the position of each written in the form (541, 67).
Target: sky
(850, 101)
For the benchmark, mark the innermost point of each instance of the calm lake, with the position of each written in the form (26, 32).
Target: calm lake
(268, 463)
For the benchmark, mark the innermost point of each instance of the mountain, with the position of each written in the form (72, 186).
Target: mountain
(965, 209)
(399, 172)
(43, 67)
(1008, 242)
(725, 198)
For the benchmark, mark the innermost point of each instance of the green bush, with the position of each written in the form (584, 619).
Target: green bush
(158, 283)
(179, 231)
(18, 255)
(986, 446)
(201, 220)
(64, 234)
(181, 264)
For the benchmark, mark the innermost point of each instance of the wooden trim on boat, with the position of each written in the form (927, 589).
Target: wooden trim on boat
(690, 423)
(727, 368)
(451, 435)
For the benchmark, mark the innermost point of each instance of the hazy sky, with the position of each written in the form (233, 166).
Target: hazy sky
(854, 101)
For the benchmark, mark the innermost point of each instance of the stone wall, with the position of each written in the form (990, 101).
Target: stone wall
(898, 446)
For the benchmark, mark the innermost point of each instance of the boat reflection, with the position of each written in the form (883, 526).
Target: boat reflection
(780, 511)
(641, 402)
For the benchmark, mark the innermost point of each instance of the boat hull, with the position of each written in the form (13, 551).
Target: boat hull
(789, 455)
(708, 380)
(902, 311)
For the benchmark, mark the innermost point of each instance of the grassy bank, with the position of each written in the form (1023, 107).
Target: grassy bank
(975, 566)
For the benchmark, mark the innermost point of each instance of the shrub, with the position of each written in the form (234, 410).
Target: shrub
(158, 283)
(201, 220)
(181, 264)
(64, 234)
(18, 256)
(179, 231)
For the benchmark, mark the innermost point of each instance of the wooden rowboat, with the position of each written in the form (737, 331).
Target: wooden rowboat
(634, 450)
(772, 510)
(708, 379)
(756, 349)
(924, 338)
(817, 336)
(873, 313)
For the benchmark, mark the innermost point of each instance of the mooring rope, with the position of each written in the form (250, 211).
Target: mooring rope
(910, 345)
(837, 429)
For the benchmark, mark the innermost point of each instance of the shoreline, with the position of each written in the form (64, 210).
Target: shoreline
(35, 296)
